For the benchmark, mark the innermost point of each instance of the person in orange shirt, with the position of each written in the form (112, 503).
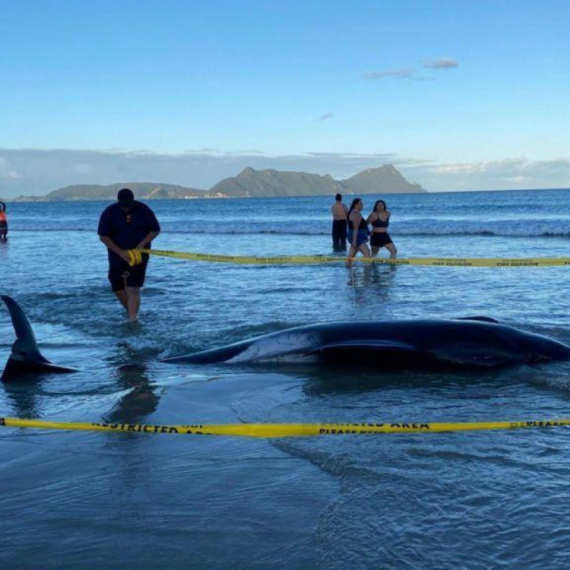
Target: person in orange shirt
(3, 223)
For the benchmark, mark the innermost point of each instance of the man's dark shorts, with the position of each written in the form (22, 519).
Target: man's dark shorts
(134, 276)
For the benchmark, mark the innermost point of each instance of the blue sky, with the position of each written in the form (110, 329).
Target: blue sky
(458, 95)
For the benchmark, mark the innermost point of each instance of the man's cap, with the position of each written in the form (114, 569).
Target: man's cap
(125, 197)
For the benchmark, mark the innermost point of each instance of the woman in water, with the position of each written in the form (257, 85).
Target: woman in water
(357, 230)
(380, 220)
(3, 223)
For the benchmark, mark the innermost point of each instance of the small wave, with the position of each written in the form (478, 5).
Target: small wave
(435, 232)
(485, 233)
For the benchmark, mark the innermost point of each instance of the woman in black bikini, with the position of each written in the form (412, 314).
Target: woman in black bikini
(380, 220)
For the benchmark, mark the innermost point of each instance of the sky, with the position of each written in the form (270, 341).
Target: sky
(458, 95)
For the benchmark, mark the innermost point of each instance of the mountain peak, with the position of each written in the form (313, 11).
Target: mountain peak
(268, 182)
(252, 183)
(385, 179)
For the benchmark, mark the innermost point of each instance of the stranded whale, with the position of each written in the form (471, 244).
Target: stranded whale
(436, 343)
(469, 342)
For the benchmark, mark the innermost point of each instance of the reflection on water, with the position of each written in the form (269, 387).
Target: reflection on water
(371, 284)
(359, 379)
(140, 402)
(23, 396)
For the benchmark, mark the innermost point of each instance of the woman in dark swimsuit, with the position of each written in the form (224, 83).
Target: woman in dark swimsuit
(357, 230)
(380, 220)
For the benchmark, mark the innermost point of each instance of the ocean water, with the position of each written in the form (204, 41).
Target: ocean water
(473, 500)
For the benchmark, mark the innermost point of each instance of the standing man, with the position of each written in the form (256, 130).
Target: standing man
(339, 212)
(127, 224)
(3, 223)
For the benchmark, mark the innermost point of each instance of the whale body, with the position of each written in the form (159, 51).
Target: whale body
(471, 341)
(434, 343)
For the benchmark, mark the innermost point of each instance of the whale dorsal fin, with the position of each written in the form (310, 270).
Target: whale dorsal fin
(25, 345)
(26, 357)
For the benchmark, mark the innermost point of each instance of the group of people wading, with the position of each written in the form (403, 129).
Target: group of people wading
(350, 224)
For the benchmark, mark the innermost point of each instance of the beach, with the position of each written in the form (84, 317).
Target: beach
(450, 500)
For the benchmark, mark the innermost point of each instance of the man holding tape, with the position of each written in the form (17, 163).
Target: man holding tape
(127, 224)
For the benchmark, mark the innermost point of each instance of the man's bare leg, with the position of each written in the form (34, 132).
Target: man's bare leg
(123, 298)
(133, 302)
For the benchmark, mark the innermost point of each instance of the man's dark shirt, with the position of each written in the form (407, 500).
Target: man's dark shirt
(127, 230)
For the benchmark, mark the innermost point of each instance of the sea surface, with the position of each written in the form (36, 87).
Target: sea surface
(474, 500)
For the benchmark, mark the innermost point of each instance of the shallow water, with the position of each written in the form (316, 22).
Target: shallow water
(467, 500)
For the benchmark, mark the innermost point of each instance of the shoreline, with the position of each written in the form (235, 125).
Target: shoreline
(28, 199)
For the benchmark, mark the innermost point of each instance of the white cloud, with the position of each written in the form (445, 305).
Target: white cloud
(6, 171)
(47, 170)
(402, 73)
(507, 174)
(42, 171)
(409, 72)
(442, 63)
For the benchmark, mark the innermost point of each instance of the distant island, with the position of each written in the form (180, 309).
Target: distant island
(249, 183)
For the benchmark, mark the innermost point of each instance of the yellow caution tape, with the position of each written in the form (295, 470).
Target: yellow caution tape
(317, 259)
(283, 430)
(135, 257)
